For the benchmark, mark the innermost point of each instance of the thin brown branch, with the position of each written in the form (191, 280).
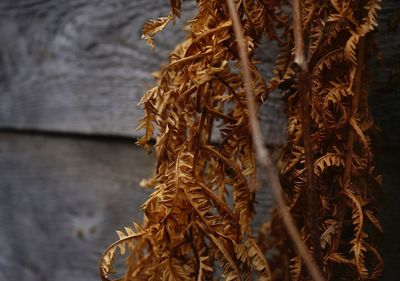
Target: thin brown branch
(299, 51)
(350, 140)
(220, 115)
(262, 153)
(304, 92)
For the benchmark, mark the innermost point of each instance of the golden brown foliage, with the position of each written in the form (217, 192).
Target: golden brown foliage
(197, 223)
(341, 134)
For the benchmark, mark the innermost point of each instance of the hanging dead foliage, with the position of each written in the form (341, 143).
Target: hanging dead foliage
(332, 184)
(197, 222)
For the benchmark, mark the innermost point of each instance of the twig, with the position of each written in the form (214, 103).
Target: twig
(262, 153)
(299, 53)
(350, 141)
(301, 59)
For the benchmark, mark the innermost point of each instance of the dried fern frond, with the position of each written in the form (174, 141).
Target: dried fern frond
(342, 153)
(199, 214)
(203, 114)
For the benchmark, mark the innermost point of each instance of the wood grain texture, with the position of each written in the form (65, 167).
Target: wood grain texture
(61, 201)
(62, 198)
(80, 66)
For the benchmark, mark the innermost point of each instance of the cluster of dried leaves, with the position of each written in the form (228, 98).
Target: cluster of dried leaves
(197, 223)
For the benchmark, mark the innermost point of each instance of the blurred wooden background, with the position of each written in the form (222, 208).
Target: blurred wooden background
(71, 74)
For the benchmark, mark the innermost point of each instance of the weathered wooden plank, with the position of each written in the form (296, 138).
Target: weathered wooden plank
(62, 198)
(61, 201)
(80, 66)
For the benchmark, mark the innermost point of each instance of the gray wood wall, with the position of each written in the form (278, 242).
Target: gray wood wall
(71, 74)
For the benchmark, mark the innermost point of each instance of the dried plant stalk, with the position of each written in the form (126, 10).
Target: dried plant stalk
(338, 133)
(263, 154)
